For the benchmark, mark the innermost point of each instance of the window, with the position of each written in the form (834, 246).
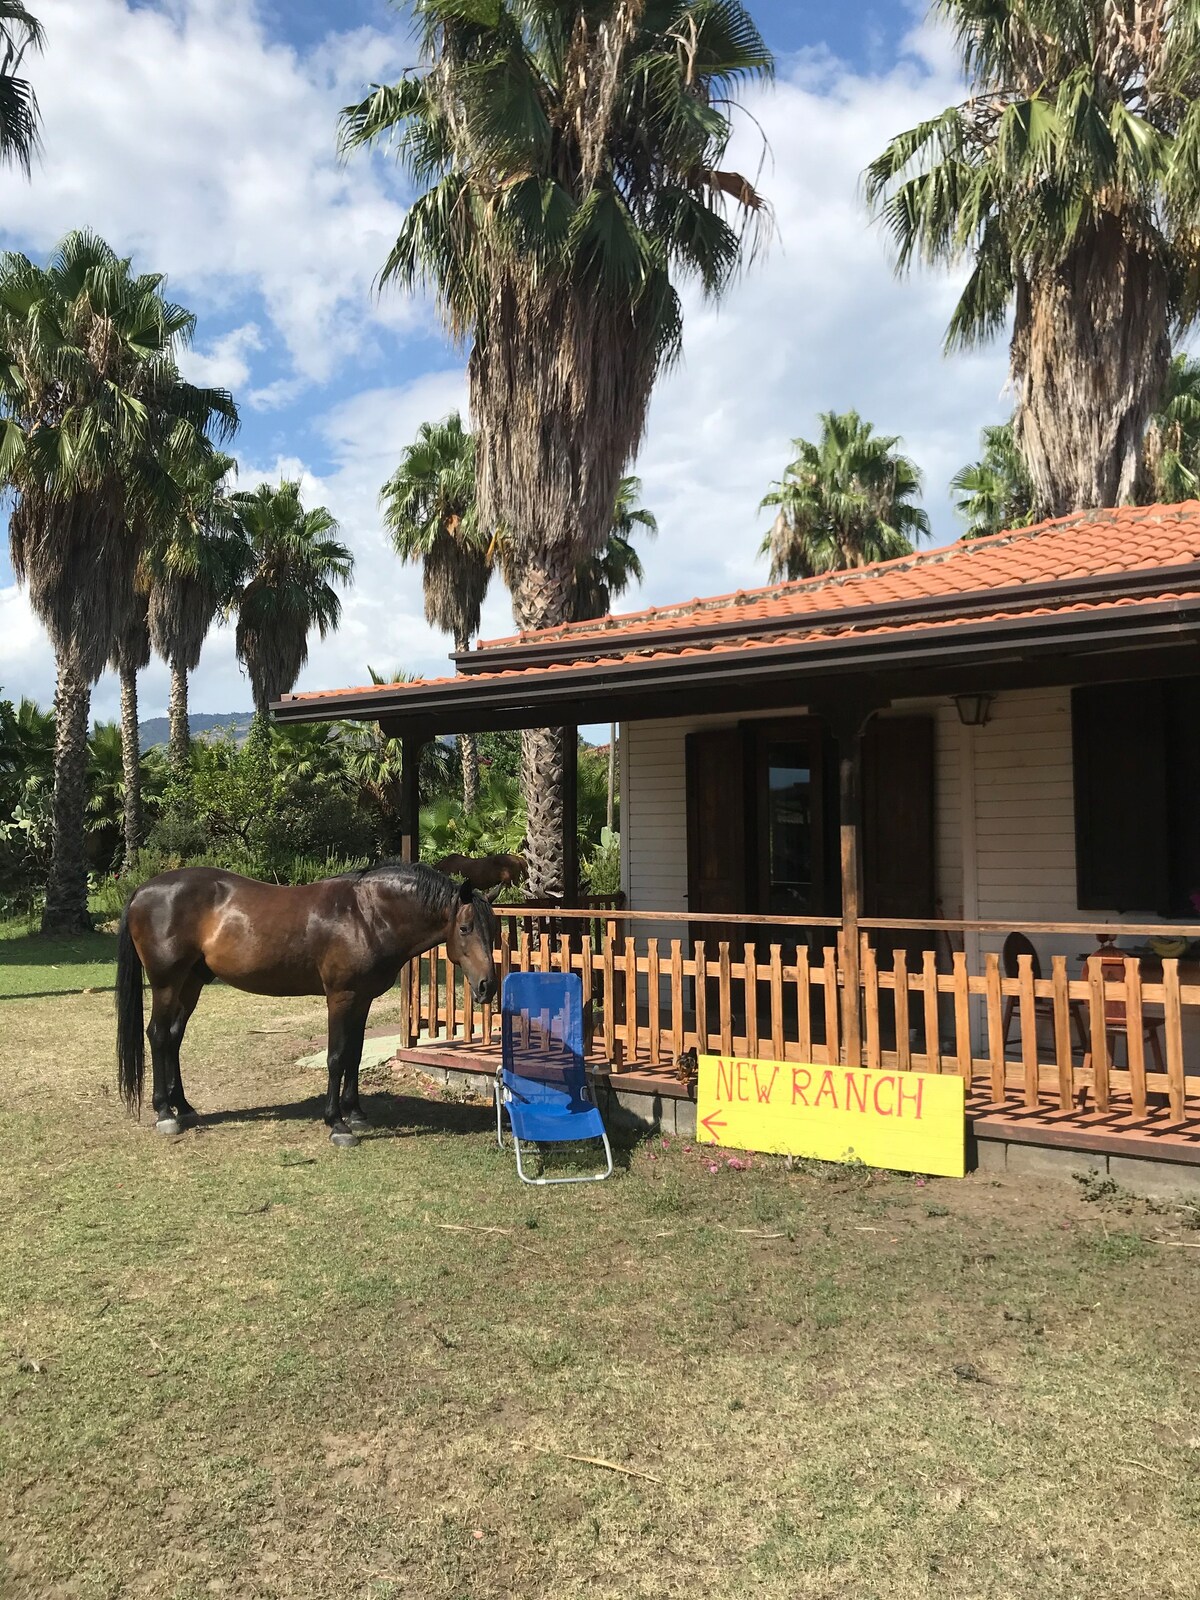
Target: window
(789, 829)
(1137, 795)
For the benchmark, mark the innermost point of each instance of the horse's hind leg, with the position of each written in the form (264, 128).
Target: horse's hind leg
(347, 1024)
(171, 1006)
(352, 1111)
(189, 995)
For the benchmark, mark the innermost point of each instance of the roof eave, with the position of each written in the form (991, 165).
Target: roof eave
(959, 605)
(529, 699)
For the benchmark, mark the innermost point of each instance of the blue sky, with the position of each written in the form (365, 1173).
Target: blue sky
(199, 136)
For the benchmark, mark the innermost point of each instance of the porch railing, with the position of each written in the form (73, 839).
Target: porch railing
(658, 985)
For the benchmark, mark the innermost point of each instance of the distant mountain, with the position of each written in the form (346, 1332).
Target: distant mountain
(203, 724)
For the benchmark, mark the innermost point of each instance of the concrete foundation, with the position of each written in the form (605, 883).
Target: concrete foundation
(639, 1110)
(1159, 1180)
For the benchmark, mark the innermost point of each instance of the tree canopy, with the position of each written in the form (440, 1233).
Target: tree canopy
(847, 499)
(1068, 180)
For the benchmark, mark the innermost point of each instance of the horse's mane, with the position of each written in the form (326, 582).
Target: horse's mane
(429, 887)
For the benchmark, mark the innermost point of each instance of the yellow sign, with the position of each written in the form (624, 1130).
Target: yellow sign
(909, 1121)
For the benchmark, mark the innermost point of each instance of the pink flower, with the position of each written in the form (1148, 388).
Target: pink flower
(666, 1145)
(687, 1149)
(713, 1167)
(920, 1183)
(732, 1161)
(653, 1157)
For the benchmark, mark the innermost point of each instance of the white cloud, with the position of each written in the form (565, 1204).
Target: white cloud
(819, 323)
(225, 364)
(183, 133)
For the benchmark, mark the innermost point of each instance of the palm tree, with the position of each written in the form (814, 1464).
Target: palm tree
(429, 510)
(130, 654)
(570, 163)
(106, 791)
(90, 399)
(600, 578)
(1068, 179)
(994, 493)
(196, 571)
(26, 751)
(1171, 448)
(845, 501)
(374, 763)
(20, 32)
(295, 561)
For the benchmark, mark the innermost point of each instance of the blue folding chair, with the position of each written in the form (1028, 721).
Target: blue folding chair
(542, 1082)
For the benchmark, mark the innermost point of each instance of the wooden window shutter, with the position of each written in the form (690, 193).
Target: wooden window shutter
(716, 810)
(1119, 735)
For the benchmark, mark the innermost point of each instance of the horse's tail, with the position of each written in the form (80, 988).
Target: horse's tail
(131, 1039)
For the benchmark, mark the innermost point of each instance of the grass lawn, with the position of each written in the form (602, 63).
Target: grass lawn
(242, 1363)
(32, 967)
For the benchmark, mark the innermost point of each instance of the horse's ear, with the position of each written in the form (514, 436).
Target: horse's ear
(466, 893)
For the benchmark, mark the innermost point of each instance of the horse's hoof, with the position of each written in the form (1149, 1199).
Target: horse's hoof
(188, 1118)
(356, 1122)
(343, 1139)
(168, 1125)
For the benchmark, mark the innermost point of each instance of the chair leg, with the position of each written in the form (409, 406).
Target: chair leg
(589, 1177)
(1156, 1045)
(1080, 1026)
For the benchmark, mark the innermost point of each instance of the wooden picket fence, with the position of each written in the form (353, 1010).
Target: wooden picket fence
(1105, 1039)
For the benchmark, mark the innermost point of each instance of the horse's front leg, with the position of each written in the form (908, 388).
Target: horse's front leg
(347, 1024)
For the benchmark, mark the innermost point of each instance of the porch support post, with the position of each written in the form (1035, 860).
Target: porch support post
(847, 716)
(849, 742)
(410, 797)
(570, 815)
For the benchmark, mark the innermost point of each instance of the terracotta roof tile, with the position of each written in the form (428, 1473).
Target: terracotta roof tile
(1087, 544)
(728, 644)
(1092, 543)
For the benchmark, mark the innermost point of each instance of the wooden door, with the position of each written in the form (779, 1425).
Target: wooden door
(898, 818)
(716, 823)
(898, 793)
(720, 849)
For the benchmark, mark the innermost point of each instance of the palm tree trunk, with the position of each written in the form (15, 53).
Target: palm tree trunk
(542, 752)
(610, 808)
(66, 892)
(468, 749)
(131, 762)
(1090, 352)
(542, 592)
(179, 748)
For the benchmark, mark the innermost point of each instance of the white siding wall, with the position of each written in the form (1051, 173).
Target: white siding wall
(654, 814)
(1005, 842)
(1005, 846)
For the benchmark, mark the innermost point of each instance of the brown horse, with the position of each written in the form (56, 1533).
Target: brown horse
(346, 938)
(485, 872)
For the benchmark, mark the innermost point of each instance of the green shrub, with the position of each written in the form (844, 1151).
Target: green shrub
(602, 869)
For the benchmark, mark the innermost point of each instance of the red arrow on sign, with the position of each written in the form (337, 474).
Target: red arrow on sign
(711, 1123)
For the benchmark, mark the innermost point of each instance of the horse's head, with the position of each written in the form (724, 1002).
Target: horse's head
(470, 940)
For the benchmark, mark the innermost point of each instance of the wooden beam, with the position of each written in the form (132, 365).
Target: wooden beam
(570, 809)
(847, 717)
(410, 797)
(850, 798)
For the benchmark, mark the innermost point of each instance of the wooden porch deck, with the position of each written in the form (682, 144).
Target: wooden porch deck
(1117, 1131)
(1107, 1062)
